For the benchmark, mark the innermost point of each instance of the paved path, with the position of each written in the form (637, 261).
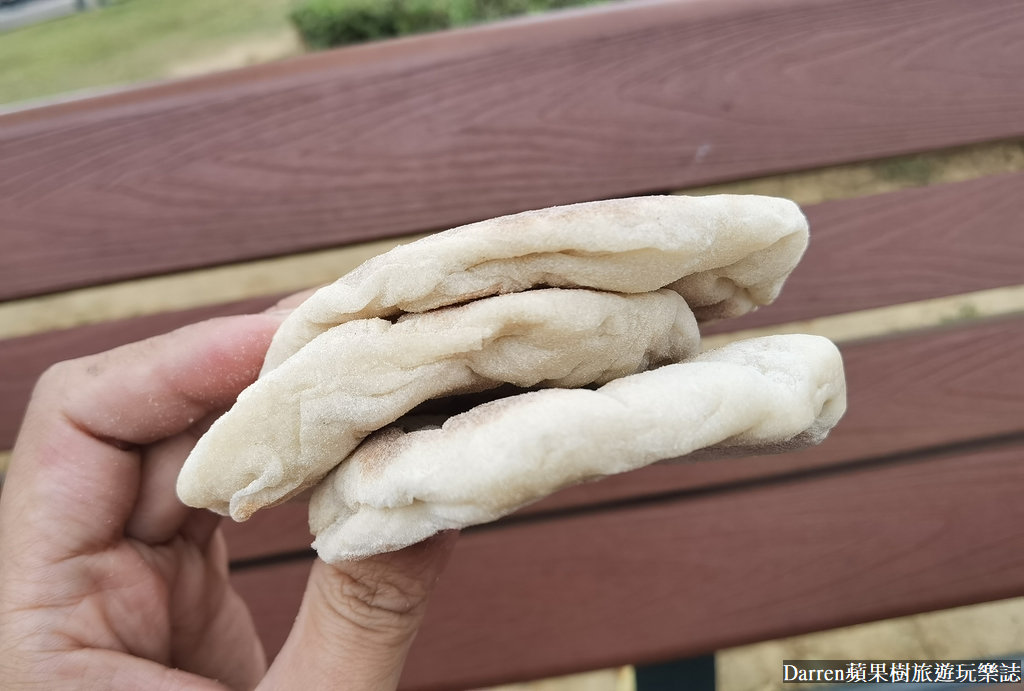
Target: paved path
(32, 11)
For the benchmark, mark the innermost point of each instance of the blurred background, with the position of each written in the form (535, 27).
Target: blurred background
(53, 50)
(54, 47)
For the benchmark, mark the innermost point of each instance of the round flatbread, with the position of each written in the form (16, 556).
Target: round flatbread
(294, 424)
(756, 396)
(725, 254)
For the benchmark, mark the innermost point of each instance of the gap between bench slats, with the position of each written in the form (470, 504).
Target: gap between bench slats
(681, 578)
(909, 393)
(430, 132)
(867, 252)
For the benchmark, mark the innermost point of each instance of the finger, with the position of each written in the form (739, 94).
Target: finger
(358, 619)
(75, 469)
(158, 514)
(294, 300)
(200, 633)
(91, 668)
(200, 526)
(152, 389)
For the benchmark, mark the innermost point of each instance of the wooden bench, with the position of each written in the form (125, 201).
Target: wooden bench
(912, 505)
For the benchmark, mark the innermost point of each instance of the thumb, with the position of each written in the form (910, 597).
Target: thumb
(358, 619)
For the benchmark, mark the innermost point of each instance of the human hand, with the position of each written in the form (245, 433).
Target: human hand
(108, 581)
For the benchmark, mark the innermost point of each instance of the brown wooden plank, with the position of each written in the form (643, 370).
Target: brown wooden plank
(280, 530)
(905, 394)
(681, 578)
(434, 131)
(864, 253)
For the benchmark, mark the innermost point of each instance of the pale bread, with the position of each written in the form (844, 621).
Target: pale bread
(761, 395)
(726, 254)
(298, 421)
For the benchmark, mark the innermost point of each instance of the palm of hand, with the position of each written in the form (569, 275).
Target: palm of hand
(107, 581)
(100, 559)
(167, 601)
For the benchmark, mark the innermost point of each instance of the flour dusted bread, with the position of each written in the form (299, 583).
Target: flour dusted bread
(602, 294)
(725, 254)
(293, 425)
(765, 394)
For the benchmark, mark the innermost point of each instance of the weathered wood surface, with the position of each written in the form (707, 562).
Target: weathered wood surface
(917, 392)
(867, 252)
(435, 131)
(688, 576)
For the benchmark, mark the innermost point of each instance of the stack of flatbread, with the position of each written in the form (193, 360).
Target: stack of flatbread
(452, 380)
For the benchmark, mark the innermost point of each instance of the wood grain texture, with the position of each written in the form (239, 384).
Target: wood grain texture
(902, 247)
(681, 578)
(885, 249)
(905, 394)
(435, 131)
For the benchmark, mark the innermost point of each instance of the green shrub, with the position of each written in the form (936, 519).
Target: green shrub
(328, 23)
(486, 10)
(469, 11)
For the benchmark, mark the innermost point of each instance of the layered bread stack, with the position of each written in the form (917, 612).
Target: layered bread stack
(580, 322)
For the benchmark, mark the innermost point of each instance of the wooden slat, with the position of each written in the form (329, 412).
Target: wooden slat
(280, 530)
(680, 578)
(905, 394)
(434, 131)
(866, 252)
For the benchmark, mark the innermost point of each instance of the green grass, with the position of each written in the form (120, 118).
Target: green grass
(131, 41)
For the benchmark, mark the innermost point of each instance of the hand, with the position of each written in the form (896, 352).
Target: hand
(108, 581)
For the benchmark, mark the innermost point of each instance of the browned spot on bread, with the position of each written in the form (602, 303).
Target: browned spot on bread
(373, 453)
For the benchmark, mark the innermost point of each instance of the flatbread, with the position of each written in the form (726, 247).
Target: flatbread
(399, 487)
(726, 254)
(297, 422)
